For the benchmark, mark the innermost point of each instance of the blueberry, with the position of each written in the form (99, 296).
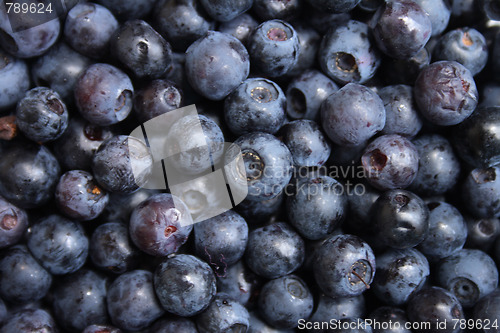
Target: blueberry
(221, 240)
(256, 212)
(436, 306)
(401, 28)
(28, 175)
(141, 49)
(274, 48)
(14, 80)
(76, 147)
(216, 64)
(481, 190)
(490, 95)
(352, 115)
(59, 244)
(445, 93)
(344, 266)
(3, 312)
(122, 164)
(223, 315)
(389, 319)
(80, 300)
(259, 326)
(240, 27)
(257, 105)
(306, 92)
(110, 248)
(488, 308)
(178, 325)
(156, 98)
(283, 10)
(466, 46)
(360, 204)
(439, 12)
(30, 321)
(268, 164)
(22, 279)
(316, 205)
(89, 28)
(13, 223)
(491, 10)
(390, 162)
(226, 10)
(346, 325)
(129, 9)
(131, 300)
(338, 308)
(59, 69)
(336, 6)
(283, 301)
(438, 165)
(240, 284)
(309, 41)
(400, 273)
(182, 22)
(120, 206)
(160, 224)
(274, 250)
(447, 231)
(401, 113)
(404, 70)
(400, 219)
(184, 284)
(101, 329)
(322, 21)
(481, 233)
(469, 274)
(356, 61)
(476, 140)
(104, 95)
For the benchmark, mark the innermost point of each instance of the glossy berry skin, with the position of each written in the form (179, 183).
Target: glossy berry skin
(258, 211)
(306, 92)
(316, 205)
(180, 325)
(156, 98)
(481, 233)
(141, 50)
(257, 105)
(438, 165)
(80, 300)
(307, 143)
(226, 10)
(274, 250)
(79, 197)
(439, 12)
(344, 266)
(387, 314)
(27, 43)
(28, 175)
(488, 308)
(104, 95)
(160, 224)
(101, 329)
(400, 273)
(274, 48)
(338, 308)
(30, 321)
(268, 164)
(122, 164)
(447, 231)
(282, 10)
(120, 206)
(13, 223)
(352, 115)
(355, 61)
(390, 162)
(184, 284)
(400, 219)
(257, 325)
(335, 6)
(466, 46)
(129, 9)
(14, 80)
(401, 113)
(216, 64)
(469, 274)
(131, 300)
(480, 190)
(22, 279)
(110, 248)
(309, 40)
(59, 244)
(475, 139)
(221, 240)
(490, 95)
(223, 315)
(435, 304)
(76, 147)
(283, 301)
(401, 28)
(240, 27)
(59, 69)
(445, 93)
(240, 284)
(89, 28)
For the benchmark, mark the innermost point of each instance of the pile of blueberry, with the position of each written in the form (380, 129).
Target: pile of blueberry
(370, 147)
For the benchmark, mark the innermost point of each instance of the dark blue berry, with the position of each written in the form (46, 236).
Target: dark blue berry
(129, 9)
(30, 321)
(336, 6)
(14, 80)
(240, 27)
(13, 223)
(439, 12)
(223, 315)
(338, 308)
(481, 192)
(226, 10)
(156, 98)
(240, 283)
(282, 9)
